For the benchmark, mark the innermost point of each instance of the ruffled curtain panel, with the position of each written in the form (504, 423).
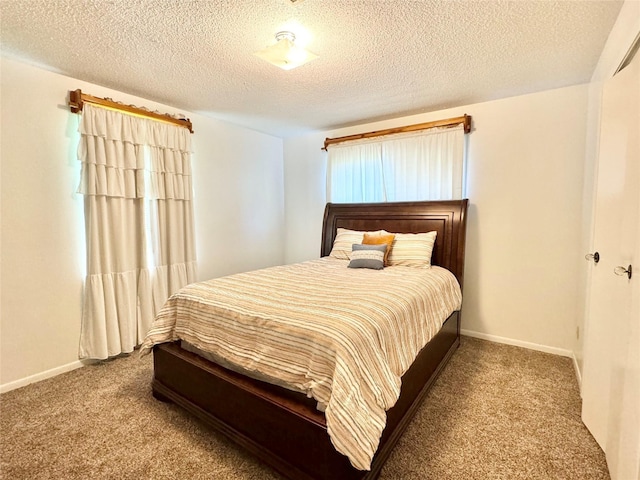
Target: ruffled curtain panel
(425, 165)
(136, 179)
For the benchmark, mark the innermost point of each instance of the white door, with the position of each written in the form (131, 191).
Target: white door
(611, 374)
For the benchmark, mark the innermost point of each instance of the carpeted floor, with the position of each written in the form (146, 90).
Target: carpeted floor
(495, 412)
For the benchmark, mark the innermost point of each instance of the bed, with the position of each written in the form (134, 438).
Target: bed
(284, 428)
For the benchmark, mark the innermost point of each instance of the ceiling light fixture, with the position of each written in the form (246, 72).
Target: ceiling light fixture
(285, 53)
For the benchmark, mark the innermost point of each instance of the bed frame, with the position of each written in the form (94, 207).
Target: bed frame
(282, 427)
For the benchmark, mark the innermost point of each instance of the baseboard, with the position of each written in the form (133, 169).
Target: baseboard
(40, 376)
(469, 333)
(519, 343)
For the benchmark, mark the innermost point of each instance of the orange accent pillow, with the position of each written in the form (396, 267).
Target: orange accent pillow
(380, 239)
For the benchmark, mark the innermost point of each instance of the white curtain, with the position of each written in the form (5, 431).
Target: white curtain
(355, 173)
(136, 179)
(426, 165)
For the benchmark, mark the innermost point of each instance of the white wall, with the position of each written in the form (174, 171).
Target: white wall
(239, 198)
(239, 213)
(525, 182)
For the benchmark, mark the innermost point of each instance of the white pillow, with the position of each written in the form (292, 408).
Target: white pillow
(412, 249)
(343, 243)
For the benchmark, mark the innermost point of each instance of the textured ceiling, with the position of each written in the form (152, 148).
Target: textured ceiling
(378, 58)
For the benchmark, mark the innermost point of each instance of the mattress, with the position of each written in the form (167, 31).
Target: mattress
(342, 336)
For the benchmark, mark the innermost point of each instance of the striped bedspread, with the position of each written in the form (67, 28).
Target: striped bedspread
(343, 336)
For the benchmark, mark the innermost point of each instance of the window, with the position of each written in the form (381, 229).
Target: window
(423, 165)
(136, 180)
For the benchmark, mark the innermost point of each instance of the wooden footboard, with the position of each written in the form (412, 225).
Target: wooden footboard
(281, 427)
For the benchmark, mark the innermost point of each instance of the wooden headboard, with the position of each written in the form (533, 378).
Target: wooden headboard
(448, 218)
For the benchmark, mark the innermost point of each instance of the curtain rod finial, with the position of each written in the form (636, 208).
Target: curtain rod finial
(75, 100)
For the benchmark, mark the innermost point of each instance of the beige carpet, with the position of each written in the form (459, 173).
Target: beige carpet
(496, 412)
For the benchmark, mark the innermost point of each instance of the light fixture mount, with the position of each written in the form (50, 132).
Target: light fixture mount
(285, 35)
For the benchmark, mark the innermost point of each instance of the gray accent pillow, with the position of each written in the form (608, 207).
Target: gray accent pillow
(367, 256)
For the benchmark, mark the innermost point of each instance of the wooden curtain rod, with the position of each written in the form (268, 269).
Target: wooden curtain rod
(465, 120)
(77, 99)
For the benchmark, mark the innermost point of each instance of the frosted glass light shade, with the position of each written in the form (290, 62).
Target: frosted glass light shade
(285, 53)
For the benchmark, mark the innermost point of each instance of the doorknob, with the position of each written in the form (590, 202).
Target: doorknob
(593, 256)
(623, 271)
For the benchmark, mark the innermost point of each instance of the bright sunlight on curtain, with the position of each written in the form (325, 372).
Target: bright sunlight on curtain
(424, 165)
(136, 180)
